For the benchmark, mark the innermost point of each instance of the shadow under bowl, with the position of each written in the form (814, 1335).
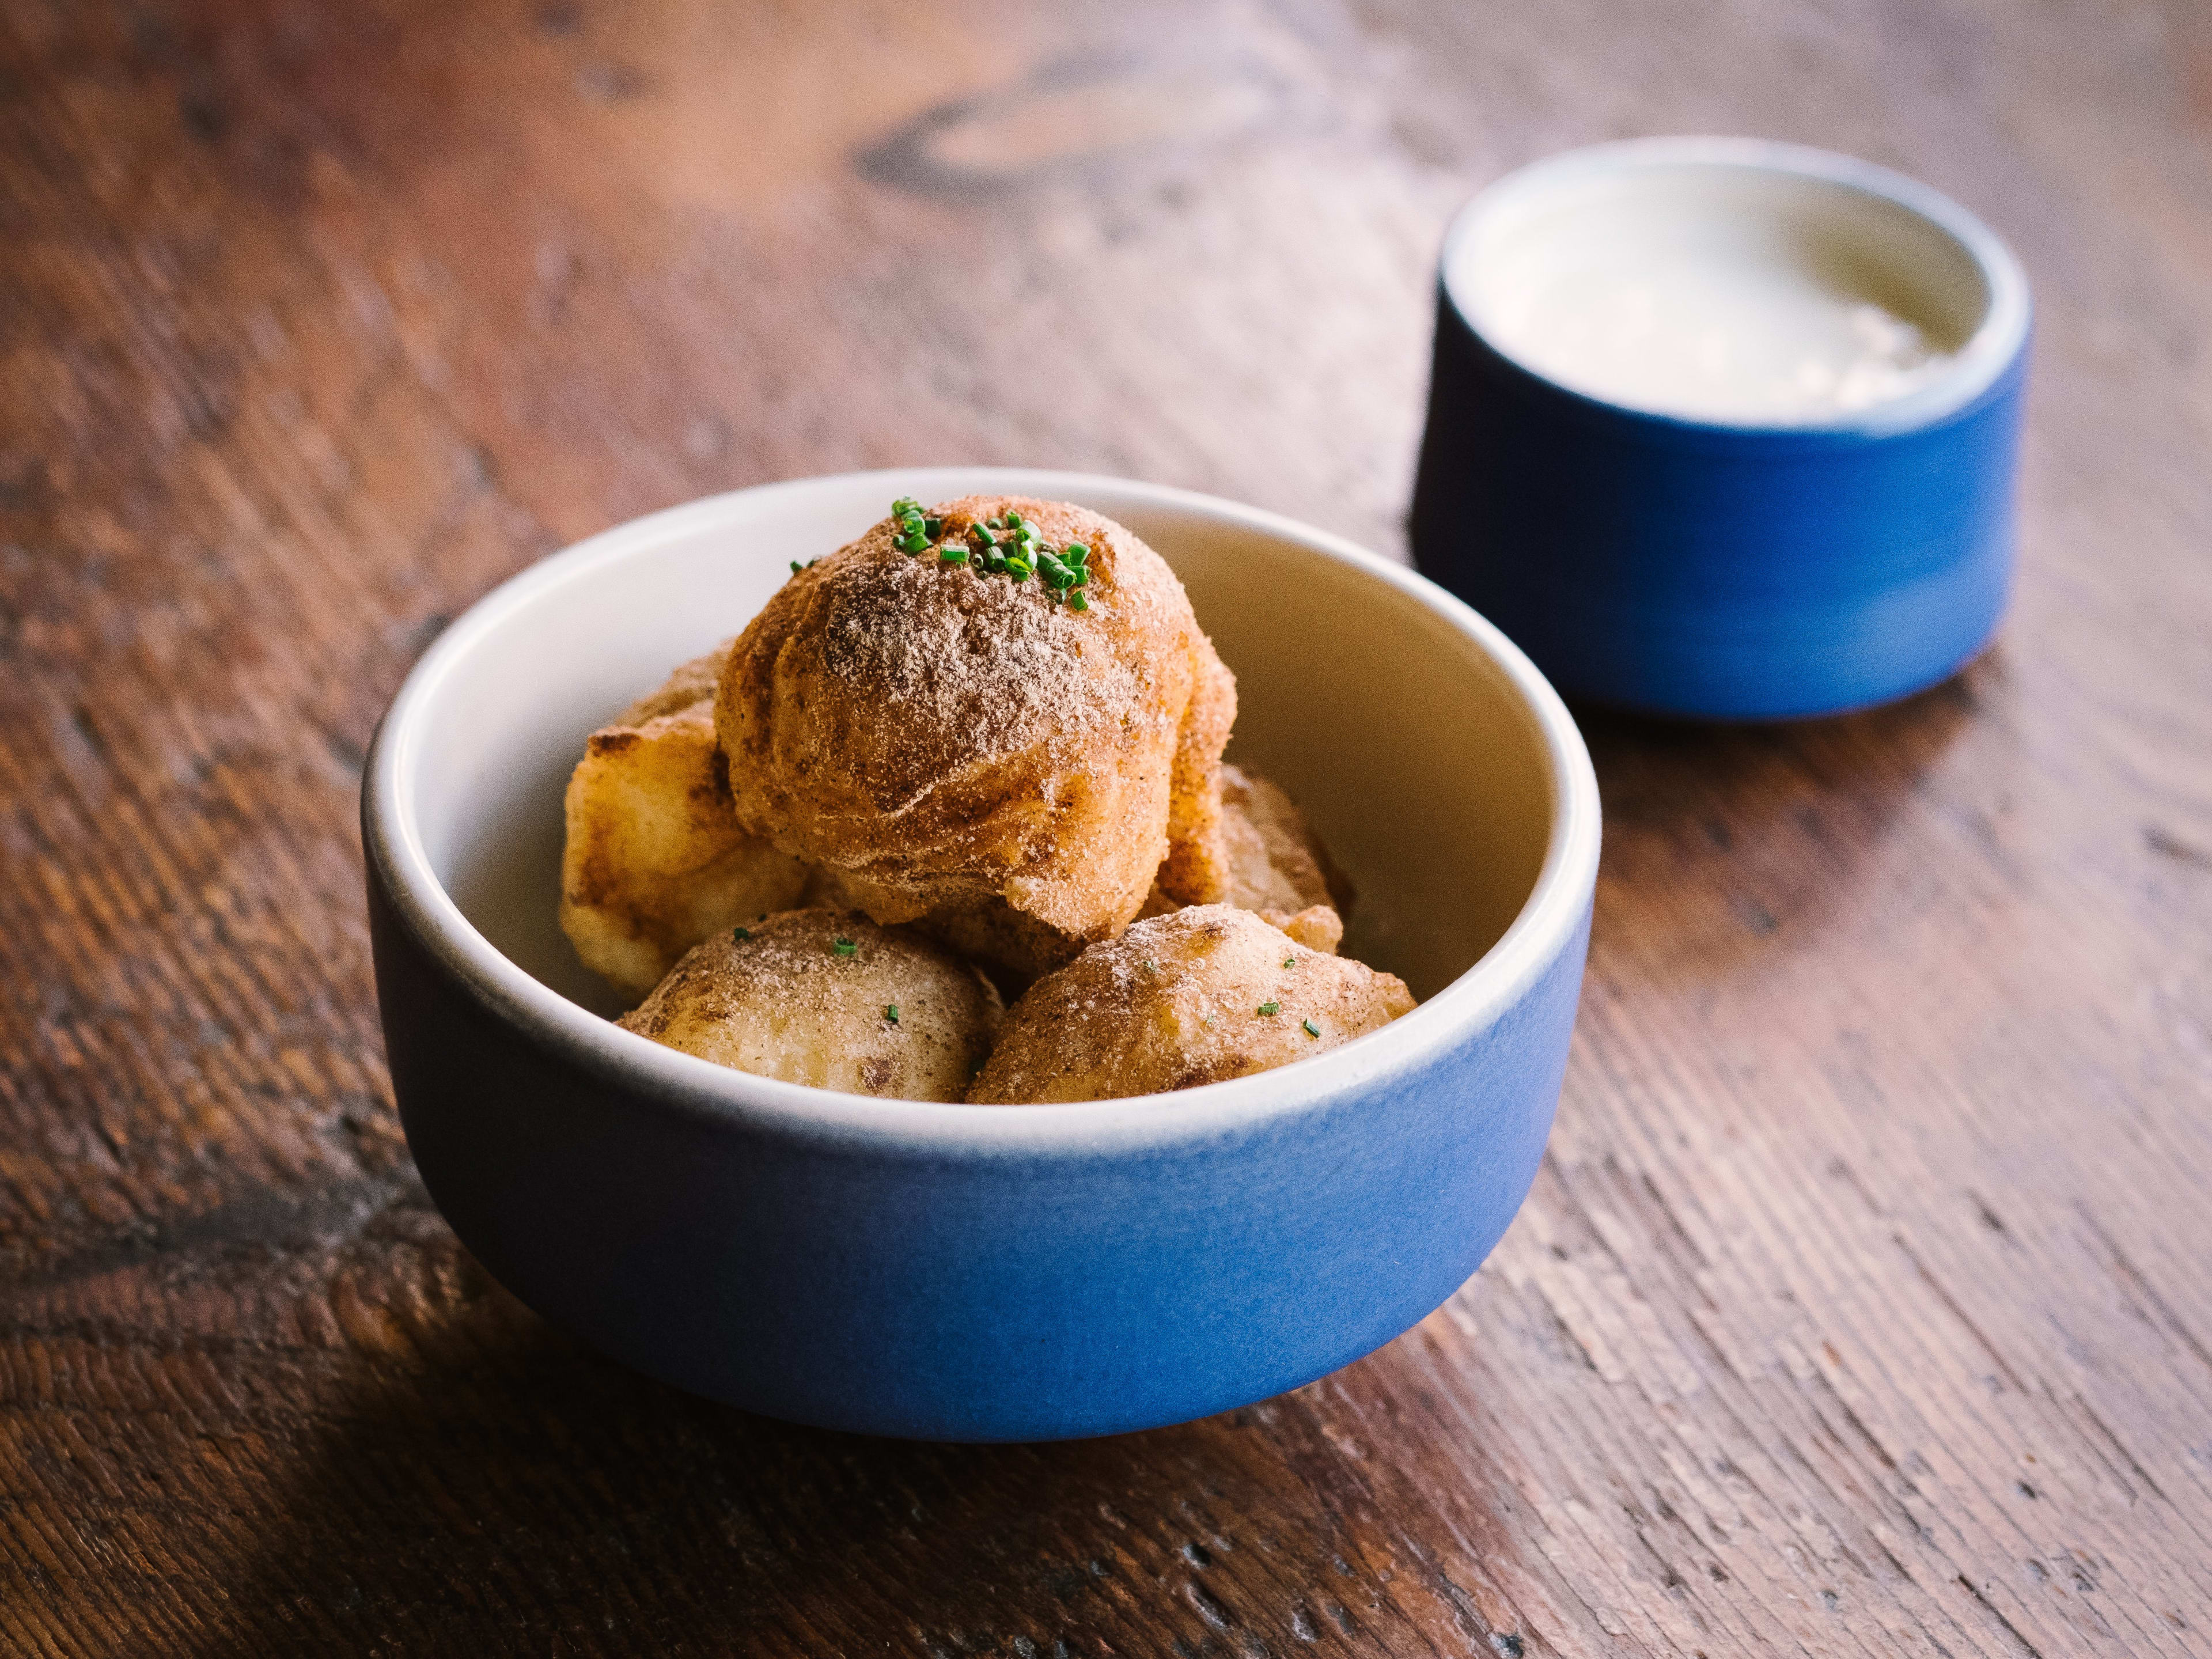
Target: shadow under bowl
(987, 1272)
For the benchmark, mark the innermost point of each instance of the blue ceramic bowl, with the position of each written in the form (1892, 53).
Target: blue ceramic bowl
(1741, 568)
(978, 1273)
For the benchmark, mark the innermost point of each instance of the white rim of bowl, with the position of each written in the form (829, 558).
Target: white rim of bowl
(1992, 349)
(684, 1082)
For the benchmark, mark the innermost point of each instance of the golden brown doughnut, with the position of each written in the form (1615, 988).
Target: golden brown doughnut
(829, 999)
(1275, 860)
(1205, 994)
(1275, 864)
(961, 751)
(653, 859)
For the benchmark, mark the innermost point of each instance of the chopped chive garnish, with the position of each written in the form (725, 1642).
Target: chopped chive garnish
(1289, 962)
(1023, 553)
(739, 935)
(890, 1012)
(796, 567)
(1312, 1030)
(1271, 1007)
(844, 947)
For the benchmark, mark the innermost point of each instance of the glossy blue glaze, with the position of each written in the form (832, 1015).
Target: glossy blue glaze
(978, 1292)
(1716, 571)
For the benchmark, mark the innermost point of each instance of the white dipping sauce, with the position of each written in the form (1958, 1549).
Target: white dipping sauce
(1718, 294)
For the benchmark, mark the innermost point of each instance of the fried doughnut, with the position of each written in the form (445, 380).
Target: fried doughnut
(829, 999)
(962, 752)
(1275, 864)
(1275, 860)
(1202, 995)
(653, 859)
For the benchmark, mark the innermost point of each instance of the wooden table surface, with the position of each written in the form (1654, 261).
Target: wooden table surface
(1864, 1302)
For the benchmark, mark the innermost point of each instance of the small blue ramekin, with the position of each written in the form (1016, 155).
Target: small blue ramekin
(1715, 570)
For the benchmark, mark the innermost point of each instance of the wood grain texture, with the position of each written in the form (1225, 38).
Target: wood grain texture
(1864, 1302)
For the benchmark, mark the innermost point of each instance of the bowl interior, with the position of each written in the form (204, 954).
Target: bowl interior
(1723, 280)
(1417, 756)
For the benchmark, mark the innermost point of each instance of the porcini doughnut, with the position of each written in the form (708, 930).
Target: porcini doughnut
(829, 999)
(965, 749)
(1273, 864)
(654, 861)
(1196, 996)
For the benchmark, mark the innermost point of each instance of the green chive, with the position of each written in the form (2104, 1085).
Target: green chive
(1080, 577)
(913, 544)
(1078, 553)
(996, 565)
(794, 567)
(890, 1012)
(1014, 520)
(1019, 569)
(980, 536)
(995, 522)
(740, 934)
(1312, 1030)
(905, 504)
(1289, 962)
(933, 528)
(953, 553)
(1271, 1007)
(844, 947)
(1076, 601)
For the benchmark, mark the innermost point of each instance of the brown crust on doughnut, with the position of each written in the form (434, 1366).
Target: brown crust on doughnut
(962, 752)
(808, 996)
(1174, 1002)
(653, 860)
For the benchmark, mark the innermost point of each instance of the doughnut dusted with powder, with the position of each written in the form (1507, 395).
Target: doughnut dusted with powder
(1274, 859)
(997, 718)
(1273, 864)
(829, 999)
(1196, 996)
(653, 860)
